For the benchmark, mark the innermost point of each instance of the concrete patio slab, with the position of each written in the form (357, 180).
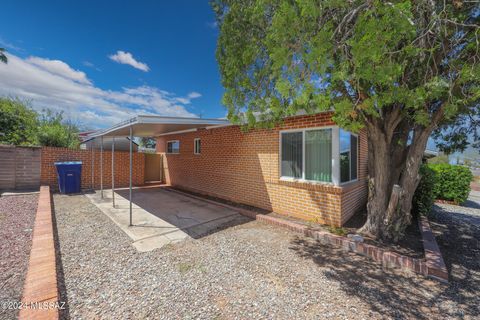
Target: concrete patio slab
(161, 217)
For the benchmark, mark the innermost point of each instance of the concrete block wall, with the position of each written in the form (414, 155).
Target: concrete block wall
(19, 167)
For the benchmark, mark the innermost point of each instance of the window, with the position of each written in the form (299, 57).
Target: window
(348, 156)
(292, 163)
(197, 146)
(173, 146)
(307, 155)
(318, 155)
(327, 155)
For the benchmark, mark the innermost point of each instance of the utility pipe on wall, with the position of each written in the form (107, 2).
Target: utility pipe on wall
(113, 171)
(101, 167)
(131, 164)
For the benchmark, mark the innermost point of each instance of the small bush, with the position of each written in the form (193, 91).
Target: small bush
(451, 182)
(424, 196)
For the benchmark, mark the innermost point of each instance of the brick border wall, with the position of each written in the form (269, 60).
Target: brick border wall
(41, 281)
(243, 167)
(122, 165)
(435, 265)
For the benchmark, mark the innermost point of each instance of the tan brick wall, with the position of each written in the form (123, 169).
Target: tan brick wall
(244, 168)
(122, 165)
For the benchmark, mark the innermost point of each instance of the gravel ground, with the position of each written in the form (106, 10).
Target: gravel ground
(457, 230)
(17, 215)
(250, 270)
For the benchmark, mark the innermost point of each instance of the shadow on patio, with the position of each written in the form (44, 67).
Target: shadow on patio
(194, 217)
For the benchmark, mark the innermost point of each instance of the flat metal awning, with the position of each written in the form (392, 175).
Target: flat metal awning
(154, 126)
(141, 126)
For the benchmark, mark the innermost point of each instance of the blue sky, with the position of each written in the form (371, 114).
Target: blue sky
(103, 61)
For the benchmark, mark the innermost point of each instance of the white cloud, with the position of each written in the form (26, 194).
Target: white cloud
(59, 68)
(188, 99)
(193, 95)
(127, 58)
(57, 86)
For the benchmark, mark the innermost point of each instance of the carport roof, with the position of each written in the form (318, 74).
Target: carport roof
(153, 126)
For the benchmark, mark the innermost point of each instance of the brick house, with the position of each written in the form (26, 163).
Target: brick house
(307, 167)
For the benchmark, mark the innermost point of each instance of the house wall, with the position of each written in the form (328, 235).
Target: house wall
(244, 167)
(122, 165)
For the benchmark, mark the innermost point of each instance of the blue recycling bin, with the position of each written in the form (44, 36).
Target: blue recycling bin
(69, 176)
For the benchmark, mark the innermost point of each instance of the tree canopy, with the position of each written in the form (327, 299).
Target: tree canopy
(398, 69)
(21, 125)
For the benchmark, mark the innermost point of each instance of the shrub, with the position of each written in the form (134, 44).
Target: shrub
(424, 196)
(451, 182)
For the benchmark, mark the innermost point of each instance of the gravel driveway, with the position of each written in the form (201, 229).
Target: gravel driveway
(249, 270)
(17, 215)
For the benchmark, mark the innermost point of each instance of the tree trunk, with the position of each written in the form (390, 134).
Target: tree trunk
(392, 183)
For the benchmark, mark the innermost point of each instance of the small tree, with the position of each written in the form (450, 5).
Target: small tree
(147, 142)
(55, 132)
(18, 122)
(398, 69)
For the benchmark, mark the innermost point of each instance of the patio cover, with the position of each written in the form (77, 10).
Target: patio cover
(153, 126)
(144, 126)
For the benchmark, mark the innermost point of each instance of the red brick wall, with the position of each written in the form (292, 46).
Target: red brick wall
(244, 167)
(51, 155)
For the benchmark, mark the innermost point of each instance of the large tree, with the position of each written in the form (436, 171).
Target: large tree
(397, 69)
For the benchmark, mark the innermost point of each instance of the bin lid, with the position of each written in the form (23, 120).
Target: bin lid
(68, 163)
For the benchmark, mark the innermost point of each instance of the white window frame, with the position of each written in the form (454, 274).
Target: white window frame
(335, 155)
(350, 152)
(172, 148)
(195, 146)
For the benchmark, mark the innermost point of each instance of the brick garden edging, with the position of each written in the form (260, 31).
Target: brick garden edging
(435, 265)
(432, 266)
(40, 293)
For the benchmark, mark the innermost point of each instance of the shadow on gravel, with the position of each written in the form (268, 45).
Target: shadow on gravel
(395, 295)
(471, 204)
(391, 295)
(458, 236)
(63, 314)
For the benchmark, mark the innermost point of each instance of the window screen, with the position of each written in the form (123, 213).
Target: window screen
(348, 156)
(292, 154)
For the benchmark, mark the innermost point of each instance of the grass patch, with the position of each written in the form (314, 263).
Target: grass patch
(339, 231)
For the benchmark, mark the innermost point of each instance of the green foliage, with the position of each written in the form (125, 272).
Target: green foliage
(18, 122)
(424, 196)
(452, 182)
(148, 142)
(53, 132)
(20, 125)
(339, 231)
